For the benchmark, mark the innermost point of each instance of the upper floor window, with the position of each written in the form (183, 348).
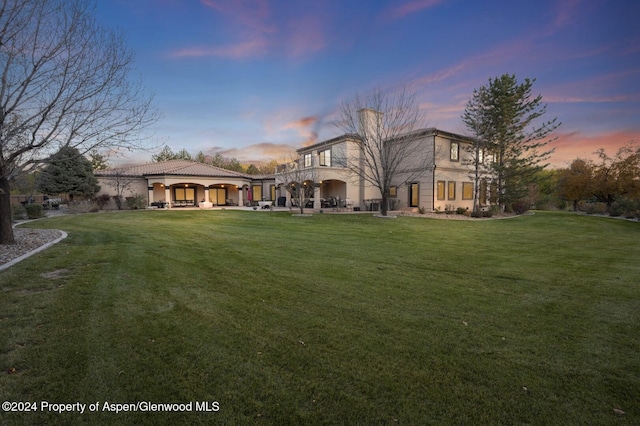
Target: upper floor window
(307, 160)
(481, 156)
(455, 151)
(325, 158)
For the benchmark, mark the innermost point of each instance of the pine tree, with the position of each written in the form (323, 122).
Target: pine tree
(504, 115)
(69, 172)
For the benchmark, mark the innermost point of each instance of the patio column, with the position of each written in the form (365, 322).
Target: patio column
(316, 197)
(151, 200)
(167, 196)
(206, 194)
(241, 196)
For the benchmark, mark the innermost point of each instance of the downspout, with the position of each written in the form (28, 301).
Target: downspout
(433, 180)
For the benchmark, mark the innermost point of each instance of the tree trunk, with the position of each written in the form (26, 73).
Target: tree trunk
(383, 204)
(6, 231)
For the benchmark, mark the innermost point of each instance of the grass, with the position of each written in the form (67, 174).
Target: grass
(330, 319)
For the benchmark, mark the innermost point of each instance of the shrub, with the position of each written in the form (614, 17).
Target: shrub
(482, 213)
(422, 210)
(102, 200)
(136, 202)
(625, 207)
(34, 211)
(118, 200)
(461, 210)
(520, 206)
(593, 208)
(18, 212)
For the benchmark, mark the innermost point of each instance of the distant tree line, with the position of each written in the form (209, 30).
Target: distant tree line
(608, 185)
(216, 160)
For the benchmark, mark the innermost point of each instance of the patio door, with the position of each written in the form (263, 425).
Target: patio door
(218, 196)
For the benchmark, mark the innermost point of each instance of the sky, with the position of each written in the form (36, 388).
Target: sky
(256, 79)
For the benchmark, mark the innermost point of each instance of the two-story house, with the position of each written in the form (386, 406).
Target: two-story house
(445, 182)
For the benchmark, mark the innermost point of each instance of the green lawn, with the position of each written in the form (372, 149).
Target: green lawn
(330, 319)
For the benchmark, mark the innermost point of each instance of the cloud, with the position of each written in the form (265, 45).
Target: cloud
(566, 12)
(255, 153)
(408, 8)
(306, 129)
(305, 35)
(252, 15)
(258, 31)
(586, 90)
(572, 145)
(240, 50)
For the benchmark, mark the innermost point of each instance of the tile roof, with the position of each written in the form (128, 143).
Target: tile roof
(173, 167)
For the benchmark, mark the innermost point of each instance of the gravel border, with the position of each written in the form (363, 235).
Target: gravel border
(28, 243)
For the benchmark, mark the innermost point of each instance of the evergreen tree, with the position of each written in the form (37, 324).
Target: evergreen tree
(505, 116)
(69, 172)
(165, 155)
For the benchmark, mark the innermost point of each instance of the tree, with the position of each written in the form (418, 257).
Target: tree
(505, 116)
(299, 181)
(98, 161)
(472, 117)
(384, 126)
(252, 170)
(120, 182)
(618, 176)
(64, 84)
(68, 172)
(167, 154)
(576, 182)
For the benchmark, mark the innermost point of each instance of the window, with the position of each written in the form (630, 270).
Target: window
(339, 158)
(307, 160)
(325, 158)
(272, 190)
(256, 192)
(451, 191)
(483, 192)
(440, 193)
(185, 194)
(455, 148)
(393, 191)
(467, 191)
(414, 192)
(481, 156)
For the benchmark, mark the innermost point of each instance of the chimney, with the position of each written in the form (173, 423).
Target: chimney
(370, 121)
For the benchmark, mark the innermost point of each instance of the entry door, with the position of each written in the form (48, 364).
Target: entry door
(414, 192)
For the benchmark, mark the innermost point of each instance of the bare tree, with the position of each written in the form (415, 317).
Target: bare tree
(385, 126)
(63, 83)
(120, 181)
(299, 181)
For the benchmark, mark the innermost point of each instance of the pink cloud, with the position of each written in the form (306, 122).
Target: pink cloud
(579, 91)
(306, 35)
(566, 12)
(304, 127)
(254, 15)
(410, 7)
(570, 146)
(256, 153)
(237, 51)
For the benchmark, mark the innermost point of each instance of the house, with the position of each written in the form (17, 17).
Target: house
(184, 183)
(445, 184)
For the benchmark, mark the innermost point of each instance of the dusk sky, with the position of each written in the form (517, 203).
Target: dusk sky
(254, 79)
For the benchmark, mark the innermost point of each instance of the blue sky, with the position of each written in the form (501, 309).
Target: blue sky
(254, 79)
